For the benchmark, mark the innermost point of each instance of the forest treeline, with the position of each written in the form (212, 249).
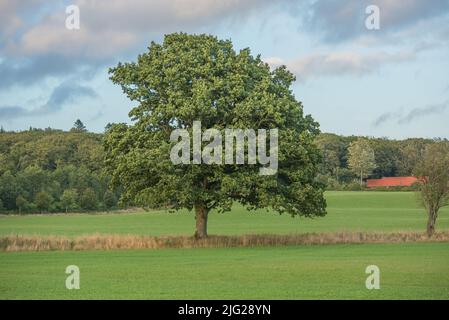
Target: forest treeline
(53, 171)
(48, 170)
(381, 157)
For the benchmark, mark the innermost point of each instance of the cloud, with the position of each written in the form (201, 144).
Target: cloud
(108, 27)
(35, 44)
(62, 95)
(13, 16)
(30, 70)
(385, 117)
(66, 93)
(402, 117)
(10, 112)
(422, 112)
(339, 21)
(339, 63)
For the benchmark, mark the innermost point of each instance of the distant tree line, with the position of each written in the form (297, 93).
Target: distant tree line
(47, 170)
(348, 161)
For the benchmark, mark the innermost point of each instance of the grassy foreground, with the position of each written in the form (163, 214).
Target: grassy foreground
(408, 271)
(347, 211)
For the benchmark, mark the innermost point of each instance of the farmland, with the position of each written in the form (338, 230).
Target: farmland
(347, 211)
(408, 271)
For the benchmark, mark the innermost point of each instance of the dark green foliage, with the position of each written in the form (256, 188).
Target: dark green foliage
(54, 161)
(43, 201)
(69, 199)
(433, 170)
(411, 153)
(109, 199)
(393, 158)
(200, 78)
(21, 203)
(61, 164)
(78, 126)
(387, 154)
(88, 199)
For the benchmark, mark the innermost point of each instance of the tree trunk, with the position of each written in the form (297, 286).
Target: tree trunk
(431, 223)
(361, 178)
(201, 213)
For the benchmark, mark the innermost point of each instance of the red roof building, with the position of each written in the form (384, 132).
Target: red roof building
(391, 182)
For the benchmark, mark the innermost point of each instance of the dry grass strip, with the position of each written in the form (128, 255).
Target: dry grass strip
(114, 242)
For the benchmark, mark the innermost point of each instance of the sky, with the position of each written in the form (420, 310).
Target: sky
(388, 81)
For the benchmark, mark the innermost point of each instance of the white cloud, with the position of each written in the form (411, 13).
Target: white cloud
(339, 21)
(339, 63)
(11, 16)
(114, 26)
(404, 117)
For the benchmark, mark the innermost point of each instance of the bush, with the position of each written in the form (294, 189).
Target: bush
(21, 203)
(43, 201)
(333, 184)
(69, 200)
(31, 207)
(109, 200)
(353, 186)
(88, 199)
(398, 188)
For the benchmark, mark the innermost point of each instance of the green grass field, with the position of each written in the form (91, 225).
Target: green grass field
(347, 211)
(408, 271)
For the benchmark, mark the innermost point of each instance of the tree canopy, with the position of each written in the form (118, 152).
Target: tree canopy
(191, 78)
(61, 164)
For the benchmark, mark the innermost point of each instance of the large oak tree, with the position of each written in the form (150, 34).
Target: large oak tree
(191, 78)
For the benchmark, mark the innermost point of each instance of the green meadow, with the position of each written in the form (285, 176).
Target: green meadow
(347, 211)
(408, 270)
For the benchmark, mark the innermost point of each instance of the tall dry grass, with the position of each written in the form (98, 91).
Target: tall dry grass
(115, 242)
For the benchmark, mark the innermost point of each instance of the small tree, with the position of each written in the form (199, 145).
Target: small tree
(433, 171)
(109, 199)
(69, 199)
(43, 201)
(361, 158)
(88, 199)
(21, 203)
(108, 126)
(79, 126)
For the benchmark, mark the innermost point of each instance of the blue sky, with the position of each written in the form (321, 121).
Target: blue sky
(391, 82)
